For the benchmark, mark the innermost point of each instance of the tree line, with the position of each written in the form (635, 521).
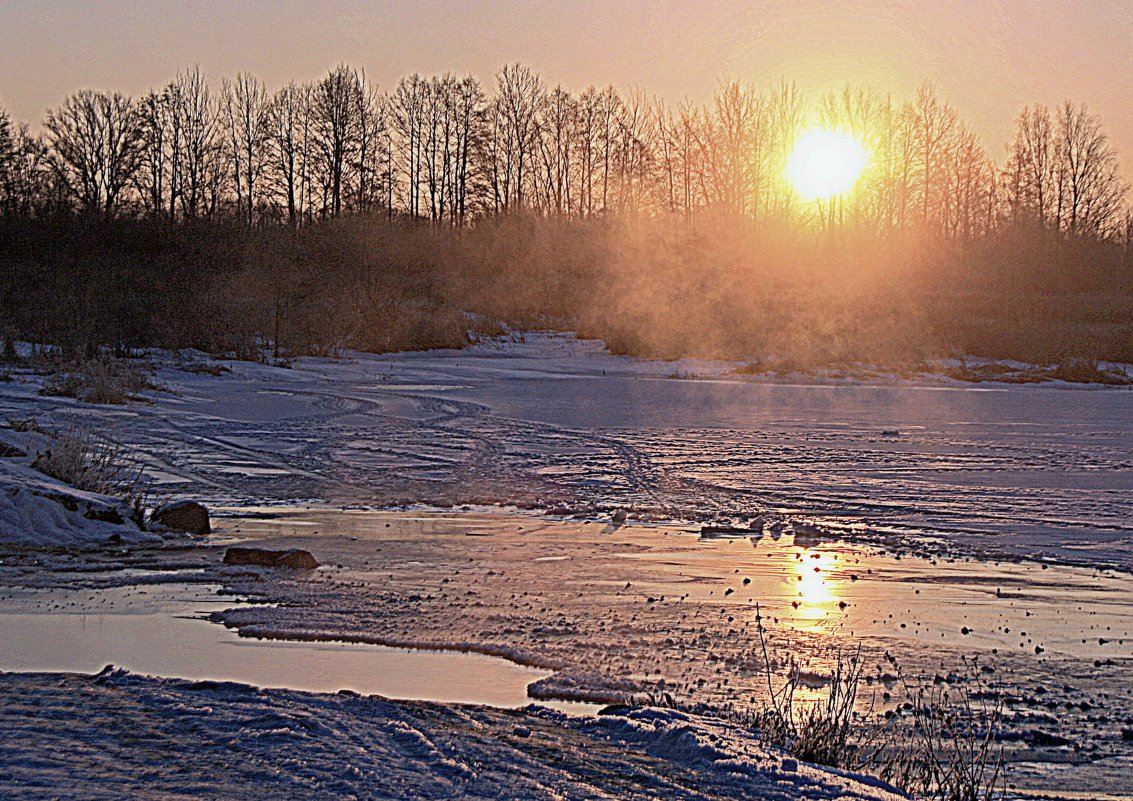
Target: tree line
(441, 148)
(333, 213)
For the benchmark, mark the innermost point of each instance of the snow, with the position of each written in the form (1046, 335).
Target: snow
(549, 421)
(123, 735)
(42, 512)
(813, 467)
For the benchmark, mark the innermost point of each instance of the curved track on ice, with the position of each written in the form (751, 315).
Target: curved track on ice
(553, 421)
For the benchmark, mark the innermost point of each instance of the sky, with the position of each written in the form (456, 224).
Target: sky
(988, 58)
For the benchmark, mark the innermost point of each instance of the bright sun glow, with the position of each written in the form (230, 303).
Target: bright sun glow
(825, 163)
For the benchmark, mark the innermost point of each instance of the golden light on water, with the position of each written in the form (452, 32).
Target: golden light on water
(825, 163)
(814, 590)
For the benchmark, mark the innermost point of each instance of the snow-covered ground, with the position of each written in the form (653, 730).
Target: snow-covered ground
(119, 735)
(817, 475)
(551, 421)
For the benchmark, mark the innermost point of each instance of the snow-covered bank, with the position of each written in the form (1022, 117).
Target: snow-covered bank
(120, 735)
(38, 511)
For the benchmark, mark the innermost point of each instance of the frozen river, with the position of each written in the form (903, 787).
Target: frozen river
(554, 422)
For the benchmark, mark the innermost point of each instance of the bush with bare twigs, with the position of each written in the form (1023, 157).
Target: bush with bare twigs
(99, 380)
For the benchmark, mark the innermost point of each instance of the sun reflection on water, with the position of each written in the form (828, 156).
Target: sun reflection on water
(814, 588)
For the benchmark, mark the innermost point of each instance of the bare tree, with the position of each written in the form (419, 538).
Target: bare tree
(371, 124)
(934, 125)
(290, 147)
(634, 153)
(336, 130)
(7, 162)
(195, 166)
(408, 112)
(438, 119)
(860, 112)
(740, 122)
(153, 175)
(93, 138)
(969, 188)
(1030, 177)
(520, 91)
(1091, 189)
(468, 144)
(558, 118)
(247, 114)
(786, 111)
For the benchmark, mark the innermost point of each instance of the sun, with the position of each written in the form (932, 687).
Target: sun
(825, 163)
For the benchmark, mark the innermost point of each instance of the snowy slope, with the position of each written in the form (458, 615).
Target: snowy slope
(39, 511)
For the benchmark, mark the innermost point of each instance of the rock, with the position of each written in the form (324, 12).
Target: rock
(294, 558)
(187, 516)
(10, 452)
(789, 765)
(619, 517)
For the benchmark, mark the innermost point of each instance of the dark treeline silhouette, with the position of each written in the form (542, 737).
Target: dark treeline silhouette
(330, 214)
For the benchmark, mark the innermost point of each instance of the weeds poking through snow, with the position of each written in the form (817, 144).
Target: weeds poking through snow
(100, 380)
(816, 732)
(948, 747)
(939, 743)
(94, 463)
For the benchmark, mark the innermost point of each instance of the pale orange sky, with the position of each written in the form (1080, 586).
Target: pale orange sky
(988, 58)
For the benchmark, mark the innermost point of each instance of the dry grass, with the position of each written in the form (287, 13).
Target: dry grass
(92, 462)
(939, 742)
(99, 380)
(814, 732)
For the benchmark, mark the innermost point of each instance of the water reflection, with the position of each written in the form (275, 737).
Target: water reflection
(815, 587)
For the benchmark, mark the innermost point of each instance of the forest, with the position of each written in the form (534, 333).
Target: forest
(329, 215)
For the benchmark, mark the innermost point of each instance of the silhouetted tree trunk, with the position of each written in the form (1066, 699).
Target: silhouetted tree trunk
(247, 113)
